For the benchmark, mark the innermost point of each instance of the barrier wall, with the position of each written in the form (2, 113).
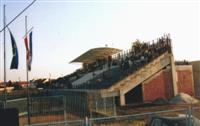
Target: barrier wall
(160, 85)
(196, 76)
(185, 79)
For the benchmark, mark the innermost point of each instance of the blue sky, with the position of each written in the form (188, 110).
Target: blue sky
(65, 29)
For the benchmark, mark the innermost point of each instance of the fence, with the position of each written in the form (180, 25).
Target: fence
(64, 106)
(88, 108)
(178, 117)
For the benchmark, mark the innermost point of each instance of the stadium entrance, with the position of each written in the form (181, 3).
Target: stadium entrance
(135, 95)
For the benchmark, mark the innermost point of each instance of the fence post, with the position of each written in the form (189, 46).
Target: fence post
(96, 106)
(64, 107)
(114, 106)
(104, 105)
(189, 116)
(90, 122)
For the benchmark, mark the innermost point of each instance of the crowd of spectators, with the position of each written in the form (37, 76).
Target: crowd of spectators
(140, 54)
(99, 64)
(129, 61)
(184, 62)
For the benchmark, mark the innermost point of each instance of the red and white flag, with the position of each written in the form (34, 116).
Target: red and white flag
(28, 45)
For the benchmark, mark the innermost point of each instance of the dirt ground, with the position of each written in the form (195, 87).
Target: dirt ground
(136, 109)
(130, 110)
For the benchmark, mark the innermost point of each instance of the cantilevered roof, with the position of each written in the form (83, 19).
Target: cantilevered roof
(96, 53)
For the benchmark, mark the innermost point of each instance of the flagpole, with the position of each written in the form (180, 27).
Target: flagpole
(27, 78)
(17, 16)
(28, 31)
(4, 54)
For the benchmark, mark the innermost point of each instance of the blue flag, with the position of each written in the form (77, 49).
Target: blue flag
(15, 61)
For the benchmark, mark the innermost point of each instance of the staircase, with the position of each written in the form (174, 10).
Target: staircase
(128, 83)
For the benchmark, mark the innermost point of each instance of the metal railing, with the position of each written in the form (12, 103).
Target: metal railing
(180, 117)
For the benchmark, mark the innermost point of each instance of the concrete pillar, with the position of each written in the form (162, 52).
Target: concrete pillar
(122, 100)
(174, 76)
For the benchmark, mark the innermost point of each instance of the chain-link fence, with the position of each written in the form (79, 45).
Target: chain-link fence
(21, 105)
(144, 119)
(66, 106)
(177, 117)
(88, 108)
(195, 112)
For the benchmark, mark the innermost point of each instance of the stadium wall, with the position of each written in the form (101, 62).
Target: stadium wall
(160, 85)
(196, 76)
(185, 80)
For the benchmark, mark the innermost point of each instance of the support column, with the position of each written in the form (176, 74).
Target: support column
(122, 100)
(174, 75)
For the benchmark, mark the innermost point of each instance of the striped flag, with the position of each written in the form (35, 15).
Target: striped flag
(15, 59)
(29, 50)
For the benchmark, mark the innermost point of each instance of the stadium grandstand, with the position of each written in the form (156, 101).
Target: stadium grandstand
(143, 73)
(110, 83)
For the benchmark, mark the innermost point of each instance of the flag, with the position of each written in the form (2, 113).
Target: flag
(26, 43)
(29, 50)
(15, 61)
